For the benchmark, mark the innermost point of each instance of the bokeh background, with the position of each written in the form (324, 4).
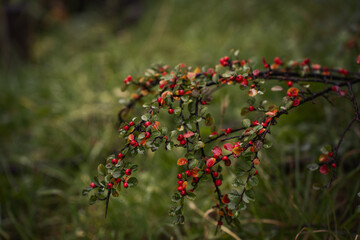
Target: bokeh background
(62, 67)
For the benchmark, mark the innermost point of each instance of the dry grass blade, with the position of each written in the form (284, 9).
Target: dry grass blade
(316, 231)
(212, 221)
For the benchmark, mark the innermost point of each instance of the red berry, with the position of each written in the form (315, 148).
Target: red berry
(180, 137)
(207, 171)
(251, 108)
(171, 111)
(146, 124)
(218, 182)
(203, 102)
(180, 188)
(225, 158)
(147, 135)
(133, 143)
(239, 78)
(289, 83)
(333, 165)
(263, 124)
(335, 88)
(180, 182)
(306, 61)
(220, 223)
(277, 61)
(228, 131)
(256, 173)
(324, 169)
(252, 86)
(255, 123)
(183, 193)
(195, 179)
(188, 173)
(181, 92)
(226, 58)
(92, 185)
(227, 163)
(179, 176)
(215, 174)
(118, 180)
(128, 172)
(125, 185)
(109, 186)
(330, 154)
(131, 123)
(159, 100)
(126, 127)
(183, 142)
(114, 161)
(296, 102)
(289, 94)
(120, 155)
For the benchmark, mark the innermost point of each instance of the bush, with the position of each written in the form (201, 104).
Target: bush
(212, 155)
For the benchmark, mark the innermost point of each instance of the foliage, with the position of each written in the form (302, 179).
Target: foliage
(185, 93)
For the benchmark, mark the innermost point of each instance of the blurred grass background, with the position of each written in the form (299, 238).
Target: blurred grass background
(60, 97)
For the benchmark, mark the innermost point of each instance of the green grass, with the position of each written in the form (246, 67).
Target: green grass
(58, 121)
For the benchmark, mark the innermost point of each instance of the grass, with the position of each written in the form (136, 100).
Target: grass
(58, 117)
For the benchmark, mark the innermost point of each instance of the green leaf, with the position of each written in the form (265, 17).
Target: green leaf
(190, 195)
(215, 78)
(179, 219)
(312, 167)
(86, 190)
(253, 181)
(101, 170)
(92, 199)
(155, 134)
(176, 197)
(173, 133)
(231, 206)
(246, 122)
(242, 206)
(193, 163)
(199, 145)
(234, 195)
(177, 110)
(170, 146)
(132, 182)
(141, 136)
(134, 168)
(326, 149)
(116, 173)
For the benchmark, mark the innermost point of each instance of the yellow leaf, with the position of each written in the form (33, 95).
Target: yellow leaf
(238, 150)
(197, 70)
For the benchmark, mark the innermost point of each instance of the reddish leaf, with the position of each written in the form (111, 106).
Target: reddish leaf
(225, 199)
(131, 137)
(216, 151)
(181, 161)
(188, 134)
(228, 146)
(213, 134)
(271, 113)
(210, 162)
